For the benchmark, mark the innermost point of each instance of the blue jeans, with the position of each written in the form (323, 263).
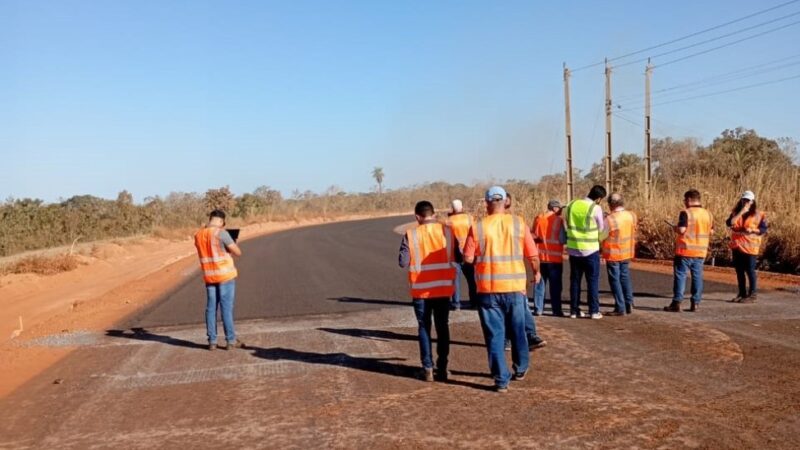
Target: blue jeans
(498, 312)
(439, 308)
(551, 275)
(680, 267)
(619, 278)
(455, 301)
(588, 266)
(220, 296)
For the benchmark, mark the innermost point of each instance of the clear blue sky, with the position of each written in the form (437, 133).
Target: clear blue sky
(161, 96)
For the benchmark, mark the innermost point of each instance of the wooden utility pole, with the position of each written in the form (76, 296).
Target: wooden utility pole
(608, 129)
(648, 167)
(568, 128)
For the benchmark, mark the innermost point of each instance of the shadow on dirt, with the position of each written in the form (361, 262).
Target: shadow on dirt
(141, 334)
(387, 335)
(384, 366)
(372, 301)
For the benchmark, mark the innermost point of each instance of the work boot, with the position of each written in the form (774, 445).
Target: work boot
(749, 299)
(629, 308)
(615, 313)
(426, 375)
(234, 344)
(695, 307)
(737, 299)
(673, 307)
(441, 375)
(212, 347)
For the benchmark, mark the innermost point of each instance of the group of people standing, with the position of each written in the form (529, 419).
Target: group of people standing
(492, 252)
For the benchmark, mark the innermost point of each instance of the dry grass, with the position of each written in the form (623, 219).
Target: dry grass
(42, 265)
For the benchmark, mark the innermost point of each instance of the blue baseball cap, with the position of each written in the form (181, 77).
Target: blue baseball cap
(495, 193)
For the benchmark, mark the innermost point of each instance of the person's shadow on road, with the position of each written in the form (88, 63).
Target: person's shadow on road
(141, 334)
(373, 301)
(388, 335)
(384, 366)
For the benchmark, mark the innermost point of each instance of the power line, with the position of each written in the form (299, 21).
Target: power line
(697, 33)
(710, 94)
(633, 122)
(772, 30)
(707, 41)
(720, 78)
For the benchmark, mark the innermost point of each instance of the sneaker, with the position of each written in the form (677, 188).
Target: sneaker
(234, 344)
(501, 389)
(519, 376)
(427, 375)
(579, 314)
(508, 345)
(737, 299)
(673, 307)
(750, 299)
(212, 347)
(597, 315)
(535, 343)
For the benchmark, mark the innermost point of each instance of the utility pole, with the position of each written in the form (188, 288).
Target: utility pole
(648, 167)
(568, 128)
(608, 128)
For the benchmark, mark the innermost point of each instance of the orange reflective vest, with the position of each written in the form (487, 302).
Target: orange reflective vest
(499, 262)
(620, 243)
(694, 243)
(460, 224)
(547, 229)
(215, 261)
(431, 269)
(745, 238)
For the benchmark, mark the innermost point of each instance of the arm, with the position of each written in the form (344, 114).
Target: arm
(762, 225)
(536, 238)
(469, 249)
(229, 243)
(683, 222)
(404, 256)
(531, 253)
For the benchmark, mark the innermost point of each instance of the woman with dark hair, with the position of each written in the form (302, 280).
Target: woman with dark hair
(747, 225)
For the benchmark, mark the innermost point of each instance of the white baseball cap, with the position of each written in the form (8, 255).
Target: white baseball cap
(457, 205)
(749, 195)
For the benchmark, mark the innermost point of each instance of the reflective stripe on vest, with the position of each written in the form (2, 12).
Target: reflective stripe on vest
(431, 270)
(500, 266)
(749, 240)
(547, 227)
(460, 223)
(694, 242)
(582, 231)
(215, 261)
(620, 244)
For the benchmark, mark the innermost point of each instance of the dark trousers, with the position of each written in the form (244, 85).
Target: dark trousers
(469, 274)
(439, 308)
(588, 266)
(745, 265)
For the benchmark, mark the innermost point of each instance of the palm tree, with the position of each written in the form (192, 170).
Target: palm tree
(377, 173)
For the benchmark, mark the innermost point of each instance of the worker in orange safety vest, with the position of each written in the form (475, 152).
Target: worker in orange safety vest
(547, 229)
(748, 225)
(216, 248)
(693, 234)
(460, 222)
(428, 250)
(618, 249)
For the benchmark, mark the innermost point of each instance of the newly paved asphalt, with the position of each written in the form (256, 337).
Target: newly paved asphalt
(334, 268)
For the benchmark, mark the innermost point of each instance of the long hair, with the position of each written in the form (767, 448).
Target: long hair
(740, 205)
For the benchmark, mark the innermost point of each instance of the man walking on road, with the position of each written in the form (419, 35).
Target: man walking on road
(693, 233)
(428, 251)
(547, 228)
(583, 221)
(499, 244)
(618, 250)
(214, 248)
(460, 222)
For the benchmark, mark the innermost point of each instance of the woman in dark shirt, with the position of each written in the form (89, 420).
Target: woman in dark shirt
(747, 225)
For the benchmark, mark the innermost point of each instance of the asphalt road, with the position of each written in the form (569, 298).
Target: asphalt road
(333, 268)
